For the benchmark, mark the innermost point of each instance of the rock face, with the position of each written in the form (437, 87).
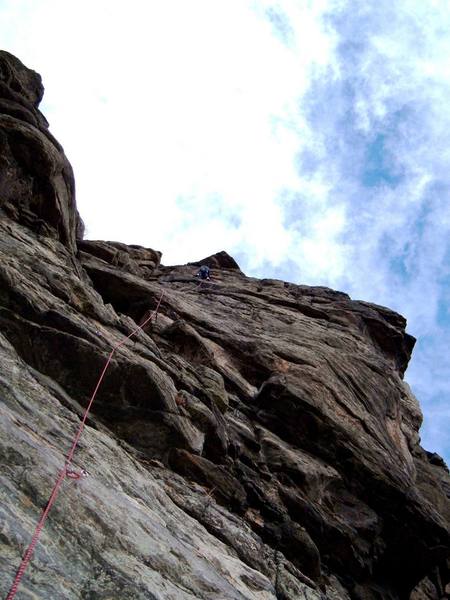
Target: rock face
(36, 179)
(255, 441)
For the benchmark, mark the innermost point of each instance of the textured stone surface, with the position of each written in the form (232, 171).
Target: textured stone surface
(36, 180)
(256, 441)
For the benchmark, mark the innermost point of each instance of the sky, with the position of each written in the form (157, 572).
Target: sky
(307, 138)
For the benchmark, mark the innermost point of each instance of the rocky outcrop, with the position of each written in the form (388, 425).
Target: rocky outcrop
(256, 440)
(37, 186)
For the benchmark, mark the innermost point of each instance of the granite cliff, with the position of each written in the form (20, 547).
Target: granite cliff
(255, 441)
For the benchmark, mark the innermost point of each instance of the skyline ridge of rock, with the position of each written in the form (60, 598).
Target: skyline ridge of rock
(257, 441)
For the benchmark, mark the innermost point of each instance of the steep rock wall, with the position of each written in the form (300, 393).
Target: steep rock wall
(256, 441)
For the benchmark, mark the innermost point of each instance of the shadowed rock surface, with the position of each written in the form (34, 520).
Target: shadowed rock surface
(256, 441)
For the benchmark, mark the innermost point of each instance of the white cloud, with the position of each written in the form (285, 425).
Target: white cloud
(310, 134)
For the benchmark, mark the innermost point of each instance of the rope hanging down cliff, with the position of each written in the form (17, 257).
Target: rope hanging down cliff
(66, 471)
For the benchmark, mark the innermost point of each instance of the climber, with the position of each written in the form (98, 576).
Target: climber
(203, 273)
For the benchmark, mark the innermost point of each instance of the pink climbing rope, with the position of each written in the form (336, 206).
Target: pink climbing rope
(66, 472)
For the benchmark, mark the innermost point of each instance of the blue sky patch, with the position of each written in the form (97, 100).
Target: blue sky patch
(377, 169)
